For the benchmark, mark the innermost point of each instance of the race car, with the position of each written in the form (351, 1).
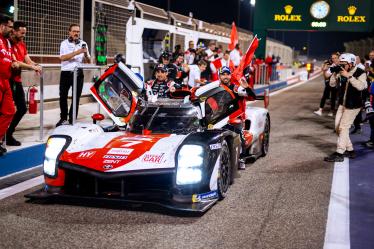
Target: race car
(176, 153)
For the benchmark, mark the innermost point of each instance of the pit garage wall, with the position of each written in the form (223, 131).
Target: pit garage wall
(278, 49)
(134, 42)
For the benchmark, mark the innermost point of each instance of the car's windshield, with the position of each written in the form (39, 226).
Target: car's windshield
(169, 119)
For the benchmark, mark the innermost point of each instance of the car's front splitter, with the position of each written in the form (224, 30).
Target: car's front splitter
(42, 194)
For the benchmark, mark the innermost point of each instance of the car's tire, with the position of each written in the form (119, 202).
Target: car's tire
(266, 138)
(225, 171)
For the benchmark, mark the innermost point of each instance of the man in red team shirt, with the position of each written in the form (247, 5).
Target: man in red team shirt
(7, 108)
(20, 54)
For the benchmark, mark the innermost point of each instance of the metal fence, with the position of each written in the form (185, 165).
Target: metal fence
(116, 17)
(47, 22)
(42, 91)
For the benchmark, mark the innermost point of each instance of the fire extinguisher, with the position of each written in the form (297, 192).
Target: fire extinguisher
(33, 106)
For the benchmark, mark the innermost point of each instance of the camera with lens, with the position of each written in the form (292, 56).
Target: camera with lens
(336, 69)
(328, 62)
(369, 111)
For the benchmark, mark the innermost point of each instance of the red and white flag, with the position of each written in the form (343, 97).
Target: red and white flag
(234, 37)
(246, 60)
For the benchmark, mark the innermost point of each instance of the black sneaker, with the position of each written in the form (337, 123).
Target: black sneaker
(334, 157)
(350, 154)
(2, 150)
(11, 141)
(369, 144)
(62, 122)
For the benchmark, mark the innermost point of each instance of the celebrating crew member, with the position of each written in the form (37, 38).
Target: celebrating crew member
(352, 81)
(73, 52)
(195, 79)
(7, 109)
(21, 56)
(211, 51)
(161, 86)
(241, 92)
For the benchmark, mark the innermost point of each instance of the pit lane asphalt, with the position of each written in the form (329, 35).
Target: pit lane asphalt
(280, 201)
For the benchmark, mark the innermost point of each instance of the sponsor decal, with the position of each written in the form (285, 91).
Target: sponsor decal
(351, 18)
(215, 146)
(153, 158)
(112, 161)
(86, 154)
(205, 196)
(288, 17)
(114, 157)
(108, 167)
(120, 151)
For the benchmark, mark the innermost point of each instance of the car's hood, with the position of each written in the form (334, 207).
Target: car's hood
(125, 152)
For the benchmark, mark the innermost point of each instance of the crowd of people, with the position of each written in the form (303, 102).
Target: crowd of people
(199, 64)
(348, 83)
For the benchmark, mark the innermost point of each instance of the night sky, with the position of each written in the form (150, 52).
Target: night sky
(215, 11)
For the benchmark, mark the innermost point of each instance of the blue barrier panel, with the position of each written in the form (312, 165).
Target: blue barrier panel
(22, 159)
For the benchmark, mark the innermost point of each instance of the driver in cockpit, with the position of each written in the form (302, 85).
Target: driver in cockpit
(161, 87)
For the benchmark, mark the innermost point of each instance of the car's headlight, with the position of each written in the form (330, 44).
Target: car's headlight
(54, 148)
(190, 160)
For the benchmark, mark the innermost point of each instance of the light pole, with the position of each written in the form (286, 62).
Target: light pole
(169, 20)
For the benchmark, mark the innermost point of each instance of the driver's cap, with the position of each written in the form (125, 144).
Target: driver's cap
(161, 67)
(224, 69)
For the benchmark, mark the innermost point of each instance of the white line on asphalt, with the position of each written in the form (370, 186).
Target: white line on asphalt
(6, 192)
(20, 172)
(337, 234)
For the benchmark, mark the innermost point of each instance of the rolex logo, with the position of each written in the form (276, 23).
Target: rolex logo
(352, 10)
(288, 9)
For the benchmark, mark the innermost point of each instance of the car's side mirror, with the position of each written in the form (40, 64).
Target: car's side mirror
(97, 117)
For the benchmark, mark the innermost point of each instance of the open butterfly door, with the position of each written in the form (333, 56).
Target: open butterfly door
(118, 91)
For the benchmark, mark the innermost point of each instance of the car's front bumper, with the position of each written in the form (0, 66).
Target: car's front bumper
(170, 204)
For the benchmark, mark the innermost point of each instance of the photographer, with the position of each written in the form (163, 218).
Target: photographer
(73, 52)
(330, 88)
(352, 81)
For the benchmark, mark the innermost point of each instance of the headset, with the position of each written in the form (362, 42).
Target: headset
(70, 39)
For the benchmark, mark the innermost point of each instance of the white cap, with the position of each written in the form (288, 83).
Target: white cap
(348, 57)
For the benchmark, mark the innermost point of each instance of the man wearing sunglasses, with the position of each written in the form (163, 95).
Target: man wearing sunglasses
(352, 81)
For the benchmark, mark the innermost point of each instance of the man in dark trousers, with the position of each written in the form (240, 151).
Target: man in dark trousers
(7, 108)
(20, 54)
(73, 53)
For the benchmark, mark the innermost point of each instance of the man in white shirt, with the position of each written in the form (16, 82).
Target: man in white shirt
(235, 55)
(211, 51)
(194, 79)
(73, 53)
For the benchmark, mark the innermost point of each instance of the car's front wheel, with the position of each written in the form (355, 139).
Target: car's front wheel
(224, 171)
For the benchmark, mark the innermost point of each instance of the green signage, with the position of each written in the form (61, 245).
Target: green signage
(314, 15)
(101, 44)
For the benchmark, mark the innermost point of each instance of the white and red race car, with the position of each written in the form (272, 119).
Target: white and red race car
(177, 153)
